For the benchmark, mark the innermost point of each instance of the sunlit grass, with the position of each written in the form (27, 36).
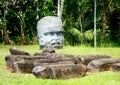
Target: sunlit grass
(103, 78)
(77, 50)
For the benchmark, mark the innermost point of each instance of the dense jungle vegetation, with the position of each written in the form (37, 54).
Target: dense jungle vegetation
(18, 20)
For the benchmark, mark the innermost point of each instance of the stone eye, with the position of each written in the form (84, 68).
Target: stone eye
(59, 33)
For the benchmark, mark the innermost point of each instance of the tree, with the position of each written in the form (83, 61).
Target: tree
(18, 19)
(5, 35)
(114, 23)
(83, 7)
(94, 23)
(60, 8)
(77, 14)
(107, 7)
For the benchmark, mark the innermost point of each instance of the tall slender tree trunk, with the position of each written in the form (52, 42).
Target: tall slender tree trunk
(60, 8)
(107, 8)
(37, 9)
(95, 23)
(104, 25)
(22, 26)
(6, 36)
(62, 4)
(81, 29)
(22, 35)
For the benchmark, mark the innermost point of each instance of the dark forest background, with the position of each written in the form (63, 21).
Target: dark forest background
(18, 20)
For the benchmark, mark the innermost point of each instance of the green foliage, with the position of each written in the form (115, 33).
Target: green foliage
(115, 26)
(16, 39)
(75, 36)
(77, 18)
(1, 24)
(88, 35)
(74, 32)
(46, 8)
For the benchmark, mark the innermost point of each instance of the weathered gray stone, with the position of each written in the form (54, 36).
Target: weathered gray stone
(49, 64)
(45, 59)
(88, 58)
(116, 67)
(48, 50)
(24, 67)
(50, 32)
(12, 59)
(36, 63)
(42, 72)
(54, 55)
(27, 66)
(63, 71)
(102, 64)
(15, 51)
(23, 63)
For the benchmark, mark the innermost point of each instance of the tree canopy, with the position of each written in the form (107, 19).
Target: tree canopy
(18, 19)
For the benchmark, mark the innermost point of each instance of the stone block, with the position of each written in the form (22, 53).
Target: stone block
(102, 64)
(63, 71)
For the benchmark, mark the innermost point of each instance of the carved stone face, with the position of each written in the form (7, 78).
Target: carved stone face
(50, 32)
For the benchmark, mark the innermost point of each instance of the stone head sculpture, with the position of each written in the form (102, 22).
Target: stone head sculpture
(50, 32)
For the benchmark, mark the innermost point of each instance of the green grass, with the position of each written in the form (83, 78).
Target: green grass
(102, 78)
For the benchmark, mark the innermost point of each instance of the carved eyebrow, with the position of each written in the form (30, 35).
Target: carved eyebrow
(53, 32)
(47, 33)
(60, 32)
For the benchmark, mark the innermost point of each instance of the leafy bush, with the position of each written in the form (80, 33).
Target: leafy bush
(75, 32)
(88, 37)
(74, 36)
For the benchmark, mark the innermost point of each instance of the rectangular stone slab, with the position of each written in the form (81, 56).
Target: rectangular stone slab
(102, 64)
(63, 71)
(88, 58)
(15, 51)
(26, 67)
(21, 63)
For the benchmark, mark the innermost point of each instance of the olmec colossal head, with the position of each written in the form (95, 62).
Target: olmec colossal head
(50, 32)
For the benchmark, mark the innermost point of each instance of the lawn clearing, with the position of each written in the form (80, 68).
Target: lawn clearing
(103, 78)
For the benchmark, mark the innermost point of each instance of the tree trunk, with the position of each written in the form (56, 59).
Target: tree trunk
(81, 30)
(22, 26)
(72, 40)
(62, 4)
(95, 23)
(22, 35)
(104, 24)
(37, 9)
(60, 8)
(6, 36)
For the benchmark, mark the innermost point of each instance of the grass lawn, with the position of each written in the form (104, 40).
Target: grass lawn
(102, 78)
